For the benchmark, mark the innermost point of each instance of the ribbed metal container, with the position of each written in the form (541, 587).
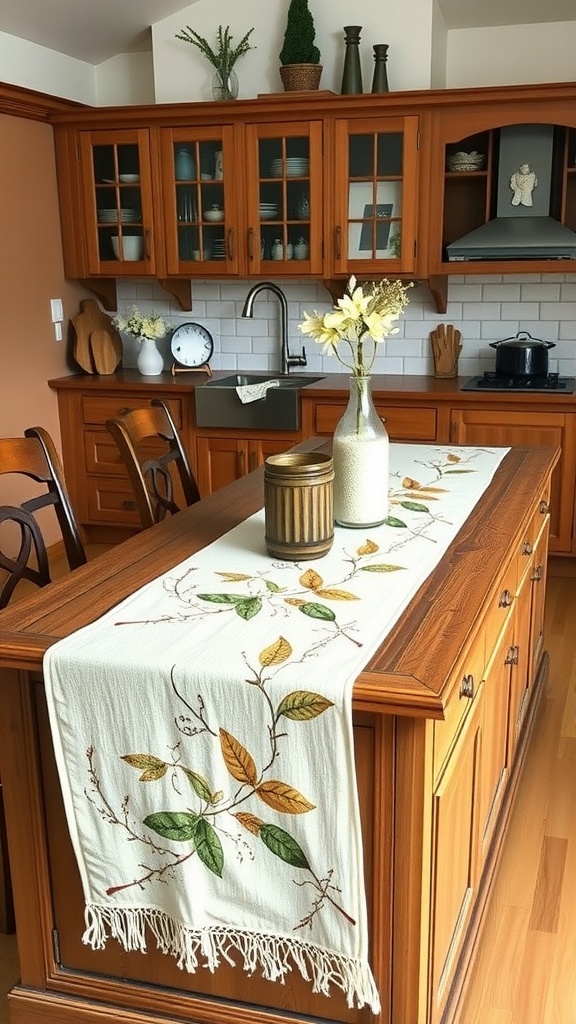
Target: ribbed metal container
(298, 505)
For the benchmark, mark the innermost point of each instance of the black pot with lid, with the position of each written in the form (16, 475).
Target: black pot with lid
(522, 356)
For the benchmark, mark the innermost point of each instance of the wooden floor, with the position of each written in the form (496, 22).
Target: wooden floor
(525, 971)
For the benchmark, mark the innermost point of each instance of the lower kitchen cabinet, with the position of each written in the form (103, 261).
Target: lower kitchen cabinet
(223, 459)
(404, 421)
(488, 426)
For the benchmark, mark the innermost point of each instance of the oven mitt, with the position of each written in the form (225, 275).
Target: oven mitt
(252, 392)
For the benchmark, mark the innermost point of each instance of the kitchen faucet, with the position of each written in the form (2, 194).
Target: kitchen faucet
(288, 360)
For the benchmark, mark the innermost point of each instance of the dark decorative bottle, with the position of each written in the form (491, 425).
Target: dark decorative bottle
(352, 74)
(380, 79)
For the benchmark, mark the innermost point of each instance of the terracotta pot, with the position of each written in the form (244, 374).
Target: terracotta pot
(300, 77)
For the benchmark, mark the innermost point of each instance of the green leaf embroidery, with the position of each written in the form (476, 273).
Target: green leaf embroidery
(458, 471)
(220, 598)
(381, 568)
(303, 705)
(414, 506)
(391, 521)
(209, 847)
(199, 785)
(317, 611)
(248, 607)
(152, 768)
(179, 826)
(283, 845)
(274, 588)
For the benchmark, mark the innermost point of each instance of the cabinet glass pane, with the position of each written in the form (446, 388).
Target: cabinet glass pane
(284, 198)
(375, 155)
(199, 199)
(118, 202)
(374, 220)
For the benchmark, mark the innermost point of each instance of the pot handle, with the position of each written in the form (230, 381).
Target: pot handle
(522, 336)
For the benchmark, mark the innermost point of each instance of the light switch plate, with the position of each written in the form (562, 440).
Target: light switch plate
(57, 311)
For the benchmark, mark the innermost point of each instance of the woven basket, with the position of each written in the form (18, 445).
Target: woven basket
(300, 77)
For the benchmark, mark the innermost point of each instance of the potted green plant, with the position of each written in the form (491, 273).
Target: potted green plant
(300, 66)
(222, 58)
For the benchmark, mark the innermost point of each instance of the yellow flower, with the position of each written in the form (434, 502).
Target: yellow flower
(361, 318)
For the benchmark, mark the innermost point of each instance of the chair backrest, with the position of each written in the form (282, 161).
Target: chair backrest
(35, 456)
(150, 474)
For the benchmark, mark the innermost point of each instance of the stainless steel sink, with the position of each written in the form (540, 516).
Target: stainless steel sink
(218, 405)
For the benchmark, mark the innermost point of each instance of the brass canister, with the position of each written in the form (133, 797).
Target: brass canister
(298, 505)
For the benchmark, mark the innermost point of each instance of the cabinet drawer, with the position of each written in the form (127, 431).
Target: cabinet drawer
(500, 607)
(468, 681)
(531, 535)
(96, 409)
(402, 424)
(111, 501)
(101, 453)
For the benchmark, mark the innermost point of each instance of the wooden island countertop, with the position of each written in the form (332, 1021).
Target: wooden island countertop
(443, 714)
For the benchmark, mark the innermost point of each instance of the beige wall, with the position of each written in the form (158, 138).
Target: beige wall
(31, 273)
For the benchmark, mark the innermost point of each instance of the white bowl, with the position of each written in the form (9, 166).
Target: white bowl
(129, 179)
(132, 247)
(214, 215)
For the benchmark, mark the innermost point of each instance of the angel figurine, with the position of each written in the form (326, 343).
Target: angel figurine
(523, 182)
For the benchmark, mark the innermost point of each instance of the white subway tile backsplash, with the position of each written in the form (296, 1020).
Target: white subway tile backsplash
(484, 308)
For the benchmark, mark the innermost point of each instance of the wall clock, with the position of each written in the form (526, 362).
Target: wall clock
(192, 347)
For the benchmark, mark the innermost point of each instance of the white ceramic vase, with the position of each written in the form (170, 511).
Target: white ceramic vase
(149, 362)
(361, 456)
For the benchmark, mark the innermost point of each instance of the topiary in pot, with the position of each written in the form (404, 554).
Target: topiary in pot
(299, 56)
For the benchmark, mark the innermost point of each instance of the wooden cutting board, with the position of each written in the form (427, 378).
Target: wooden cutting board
(97, 343)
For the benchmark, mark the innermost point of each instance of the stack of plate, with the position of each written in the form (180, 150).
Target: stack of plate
(218, 250)
(268, 211)
(295, 167)
(111, 216)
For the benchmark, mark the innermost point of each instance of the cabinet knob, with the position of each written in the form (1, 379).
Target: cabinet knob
(128, 503)
(467, 687)
(537, 574)
(512, 656)
(544, 508)
(527, 548)
(124, 411)
(505, 599)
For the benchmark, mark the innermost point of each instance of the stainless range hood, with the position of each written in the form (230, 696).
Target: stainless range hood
(524, 229)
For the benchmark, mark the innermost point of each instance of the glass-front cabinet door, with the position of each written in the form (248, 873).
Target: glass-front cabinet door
(117, 186)
(284, 198)
(375, 196)
(200, 169)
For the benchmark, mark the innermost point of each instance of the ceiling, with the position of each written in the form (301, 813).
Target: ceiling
(94, 30)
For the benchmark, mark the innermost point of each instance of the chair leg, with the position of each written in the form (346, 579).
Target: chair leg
(7, 920)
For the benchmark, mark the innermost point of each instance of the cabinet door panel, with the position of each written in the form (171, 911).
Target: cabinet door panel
(402, 423)
(455, 853)
(495, 762)
(489, 426)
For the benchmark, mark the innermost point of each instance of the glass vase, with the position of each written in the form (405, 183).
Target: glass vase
(225, 85)
(149, 362)
(360, 452)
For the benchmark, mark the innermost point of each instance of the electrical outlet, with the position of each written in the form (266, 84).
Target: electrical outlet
(58, 331)
(57, 312)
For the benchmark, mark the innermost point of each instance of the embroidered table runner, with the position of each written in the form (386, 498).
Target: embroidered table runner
(203, 736)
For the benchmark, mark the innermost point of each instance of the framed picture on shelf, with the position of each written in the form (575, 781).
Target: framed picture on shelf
(364, 215)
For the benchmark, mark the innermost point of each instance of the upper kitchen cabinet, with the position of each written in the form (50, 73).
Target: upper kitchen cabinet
(373, 228)
(504, 160)
(243, 199)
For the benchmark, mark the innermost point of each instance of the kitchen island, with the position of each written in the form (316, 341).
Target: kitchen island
(443, 714)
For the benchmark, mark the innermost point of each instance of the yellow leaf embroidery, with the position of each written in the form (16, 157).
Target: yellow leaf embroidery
(409, 482)
(369, 548)
(337, 595)
(453, 458)
(234, 577)
(282, 797)
(311, 580)
(237, 759)
(250, 822)
(296, 601)
(276, 653)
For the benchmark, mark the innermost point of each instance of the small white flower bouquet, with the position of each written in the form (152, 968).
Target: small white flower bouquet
(141, 325)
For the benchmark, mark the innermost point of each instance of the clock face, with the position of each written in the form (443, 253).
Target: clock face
(191, 345)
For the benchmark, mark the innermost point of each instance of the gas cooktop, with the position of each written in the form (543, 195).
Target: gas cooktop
(501, 382)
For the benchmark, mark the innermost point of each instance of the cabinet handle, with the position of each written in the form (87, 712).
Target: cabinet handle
(127, 503)
(467, 687)
(252, 461)
(537, 574)
(505, 599)
(147, 244)
(230, 245)
(241, 461)
(527, 548)
(250, 243)
(512, 656)
(124, 410)
(338, 241)
(544, 508)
